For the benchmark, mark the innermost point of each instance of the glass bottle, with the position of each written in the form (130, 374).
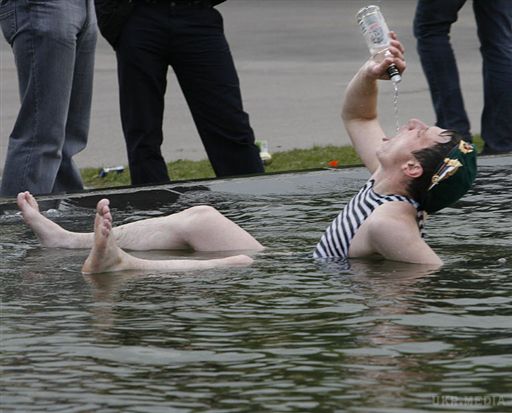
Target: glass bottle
(376, 33)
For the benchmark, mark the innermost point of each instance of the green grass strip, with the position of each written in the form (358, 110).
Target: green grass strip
(293, 160)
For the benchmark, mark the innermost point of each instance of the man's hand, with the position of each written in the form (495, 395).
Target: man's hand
(377, 65)
(359, 112)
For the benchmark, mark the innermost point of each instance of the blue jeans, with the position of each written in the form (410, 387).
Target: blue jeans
(53, 42)
(432, 25)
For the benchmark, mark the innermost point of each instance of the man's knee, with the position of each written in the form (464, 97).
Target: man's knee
(194, 216)
(186, 223)
(202, 213)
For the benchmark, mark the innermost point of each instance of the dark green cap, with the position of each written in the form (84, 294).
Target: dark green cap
(453, 178)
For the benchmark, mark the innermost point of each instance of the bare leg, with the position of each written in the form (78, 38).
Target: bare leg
(48, 232)
(106, 256)
(200, 228)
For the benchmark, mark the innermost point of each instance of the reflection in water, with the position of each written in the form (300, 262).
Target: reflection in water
(286, 334)
(395, 352)
(105, 290)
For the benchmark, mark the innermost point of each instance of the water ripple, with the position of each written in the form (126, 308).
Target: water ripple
(286, 334)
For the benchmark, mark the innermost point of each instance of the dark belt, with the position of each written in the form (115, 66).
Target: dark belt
(181, 3)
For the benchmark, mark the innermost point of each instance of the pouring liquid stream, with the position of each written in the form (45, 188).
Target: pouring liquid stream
(395, 106)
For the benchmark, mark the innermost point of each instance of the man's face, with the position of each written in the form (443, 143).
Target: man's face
(413, 136)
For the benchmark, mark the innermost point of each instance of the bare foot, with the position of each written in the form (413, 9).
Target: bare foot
(48, 232)
(105, 255)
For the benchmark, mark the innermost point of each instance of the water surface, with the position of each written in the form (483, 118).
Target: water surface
(287, 334)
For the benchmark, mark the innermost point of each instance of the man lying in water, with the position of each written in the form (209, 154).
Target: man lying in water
(421, 169)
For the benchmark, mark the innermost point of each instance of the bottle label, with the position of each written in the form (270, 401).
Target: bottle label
(376, 34)
(374, 28)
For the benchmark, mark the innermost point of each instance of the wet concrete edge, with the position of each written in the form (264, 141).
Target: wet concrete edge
(151, 196)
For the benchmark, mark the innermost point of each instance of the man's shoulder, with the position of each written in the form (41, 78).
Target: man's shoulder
(395, 208)
(393, 216)
(393, 233)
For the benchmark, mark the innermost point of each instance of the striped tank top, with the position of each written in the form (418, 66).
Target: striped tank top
(336, 240)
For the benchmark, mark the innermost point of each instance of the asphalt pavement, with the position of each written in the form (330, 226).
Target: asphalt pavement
(294, 60)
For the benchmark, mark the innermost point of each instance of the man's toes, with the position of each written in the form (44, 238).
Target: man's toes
(20, 198)
(30, 199)
(102, 204)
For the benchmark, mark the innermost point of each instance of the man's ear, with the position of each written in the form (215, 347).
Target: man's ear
(412, 168)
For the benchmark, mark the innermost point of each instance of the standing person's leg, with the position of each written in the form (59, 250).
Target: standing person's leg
(200, 228)
(142, 73)
(77, 126)
(206, 72)
(432, 24)
(494, 20)
(106, 256)
(44, 48)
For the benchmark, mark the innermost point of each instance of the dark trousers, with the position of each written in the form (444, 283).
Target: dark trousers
(189, 37)
(432, 25)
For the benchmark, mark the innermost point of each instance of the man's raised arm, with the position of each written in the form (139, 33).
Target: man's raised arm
(359, 111)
